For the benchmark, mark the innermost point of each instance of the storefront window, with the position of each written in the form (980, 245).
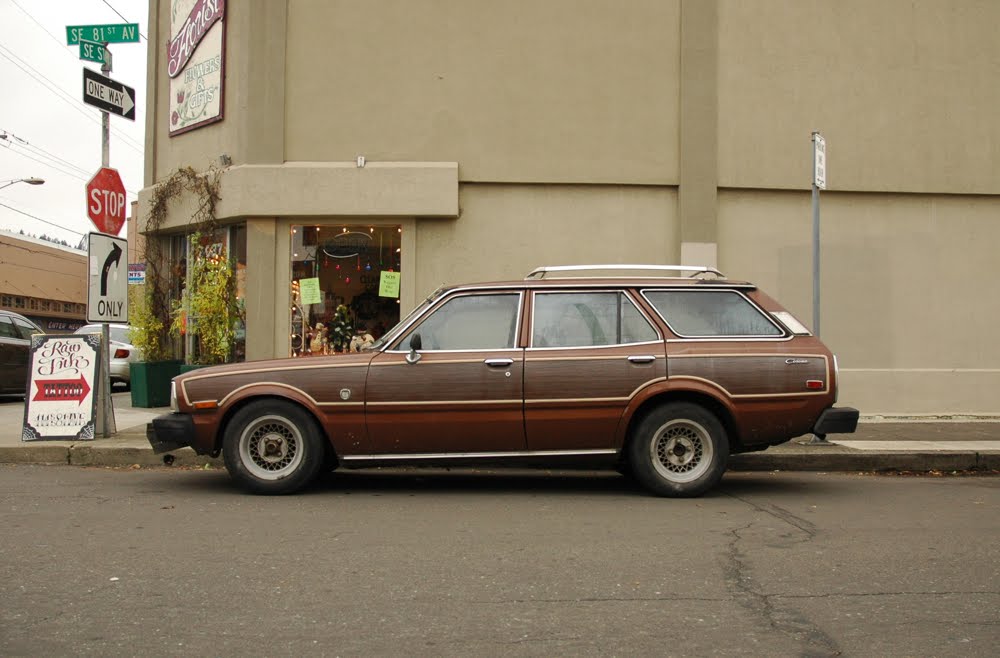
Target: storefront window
(229, 243)
(344, 287)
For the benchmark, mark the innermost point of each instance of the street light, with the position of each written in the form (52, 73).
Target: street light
(29, 181)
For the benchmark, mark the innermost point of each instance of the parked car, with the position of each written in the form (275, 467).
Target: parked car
(666, 376)
(123, 352)
(15, 351)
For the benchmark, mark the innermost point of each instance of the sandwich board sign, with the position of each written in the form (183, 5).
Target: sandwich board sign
(61, 401)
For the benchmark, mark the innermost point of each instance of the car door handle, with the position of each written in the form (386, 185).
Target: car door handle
(646, 358)
(499, 363)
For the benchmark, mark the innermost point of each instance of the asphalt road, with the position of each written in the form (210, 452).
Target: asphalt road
(174, 562)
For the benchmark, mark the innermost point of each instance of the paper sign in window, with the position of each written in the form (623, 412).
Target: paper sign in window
(388, 285)
(309, 291)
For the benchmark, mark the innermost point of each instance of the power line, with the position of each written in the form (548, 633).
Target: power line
(47, 164)
(24, 11)
(123, 18)
(86, 175)
(61, 95)
(41, 220)
(20, 142)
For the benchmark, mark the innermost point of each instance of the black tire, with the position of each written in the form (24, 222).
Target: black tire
(679, 449)
(273, 447)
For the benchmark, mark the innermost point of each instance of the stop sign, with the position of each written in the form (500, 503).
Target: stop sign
(106, 201)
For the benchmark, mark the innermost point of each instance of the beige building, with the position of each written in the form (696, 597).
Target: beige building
(43, 281)
(498, 137)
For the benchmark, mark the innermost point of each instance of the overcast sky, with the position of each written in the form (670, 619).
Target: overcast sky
(50, 132)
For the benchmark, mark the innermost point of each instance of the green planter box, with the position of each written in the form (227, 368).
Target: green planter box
(151, 382)
(188, 367)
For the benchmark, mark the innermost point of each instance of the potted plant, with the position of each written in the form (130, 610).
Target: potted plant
(150, 377)
(208, 307)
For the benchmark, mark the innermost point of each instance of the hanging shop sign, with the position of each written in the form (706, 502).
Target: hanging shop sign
(61, 401)
(196, 63)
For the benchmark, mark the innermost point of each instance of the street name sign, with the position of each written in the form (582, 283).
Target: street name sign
(92, 51)
(107, 281)
(108, 95)
(116, 33)
(106, 201)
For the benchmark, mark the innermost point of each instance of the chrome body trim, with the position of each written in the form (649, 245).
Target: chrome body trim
(479, 455)
(540, 272)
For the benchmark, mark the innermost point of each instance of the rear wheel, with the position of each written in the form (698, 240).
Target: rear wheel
(273, 447)
(679, 449)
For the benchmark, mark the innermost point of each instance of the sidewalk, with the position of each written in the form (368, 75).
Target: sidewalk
(957, 444)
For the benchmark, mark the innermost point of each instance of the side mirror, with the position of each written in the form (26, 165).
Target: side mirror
(415, 344)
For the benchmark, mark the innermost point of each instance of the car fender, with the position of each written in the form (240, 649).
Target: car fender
(692, 389)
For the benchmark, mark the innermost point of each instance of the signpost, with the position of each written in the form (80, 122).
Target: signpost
(106, 202)
(116, 33)
(818, 183)
(108, 95)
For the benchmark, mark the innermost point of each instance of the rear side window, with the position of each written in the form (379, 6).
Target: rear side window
(588, 319)
(711, 313)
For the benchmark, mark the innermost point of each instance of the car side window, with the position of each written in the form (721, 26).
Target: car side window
(587, 319)
(470, 322)
(7, 329)
(703, 313)
(26, 328)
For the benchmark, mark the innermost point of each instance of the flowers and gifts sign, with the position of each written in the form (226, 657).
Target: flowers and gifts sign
(61, 398)
(196, 63)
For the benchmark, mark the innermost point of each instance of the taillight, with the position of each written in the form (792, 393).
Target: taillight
(121, 354)
(836, 379)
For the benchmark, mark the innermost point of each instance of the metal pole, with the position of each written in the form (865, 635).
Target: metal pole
(815, 204)
(817, 439)
(105, 407)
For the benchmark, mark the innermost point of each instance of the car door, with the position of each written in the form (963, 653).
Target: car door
(461, 390)
(590, 353)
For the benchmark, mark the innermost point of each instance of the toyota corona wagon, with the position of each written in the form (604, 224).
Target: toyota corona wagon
(663, 374)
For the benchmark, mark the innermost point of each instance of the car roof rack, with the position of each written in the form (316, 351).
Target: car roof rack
(689, 270)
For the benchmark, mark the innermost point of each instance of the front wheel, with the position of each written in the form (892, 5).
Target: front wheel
(679, 449)
(273, 447)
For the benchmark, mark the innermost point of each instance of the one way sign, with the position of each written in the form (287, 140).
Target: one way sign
(107, 292)
(108, 95)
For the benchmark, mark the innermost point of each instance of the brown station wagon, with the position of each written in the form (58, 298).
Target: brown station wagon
(665, 376)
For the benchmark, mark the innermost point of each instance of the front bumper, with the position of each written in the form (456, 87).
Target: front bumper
(836, 420)
(170, 432)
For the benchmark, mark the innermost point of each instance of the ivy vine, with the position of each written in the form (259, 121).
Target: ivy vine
(151, 316)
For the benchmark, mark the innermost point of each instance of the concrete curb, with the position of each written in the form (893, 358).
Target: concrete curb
(131, 449)
(867, 461)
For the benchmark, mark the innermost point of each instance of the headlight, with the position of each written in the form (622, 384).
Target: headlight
(173, 396)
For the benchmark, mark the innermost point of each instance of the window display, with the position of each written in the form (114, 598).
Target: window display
(344, 287)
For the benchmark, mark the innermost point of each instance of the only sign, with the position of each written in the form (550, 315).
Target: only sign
(106, 201)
